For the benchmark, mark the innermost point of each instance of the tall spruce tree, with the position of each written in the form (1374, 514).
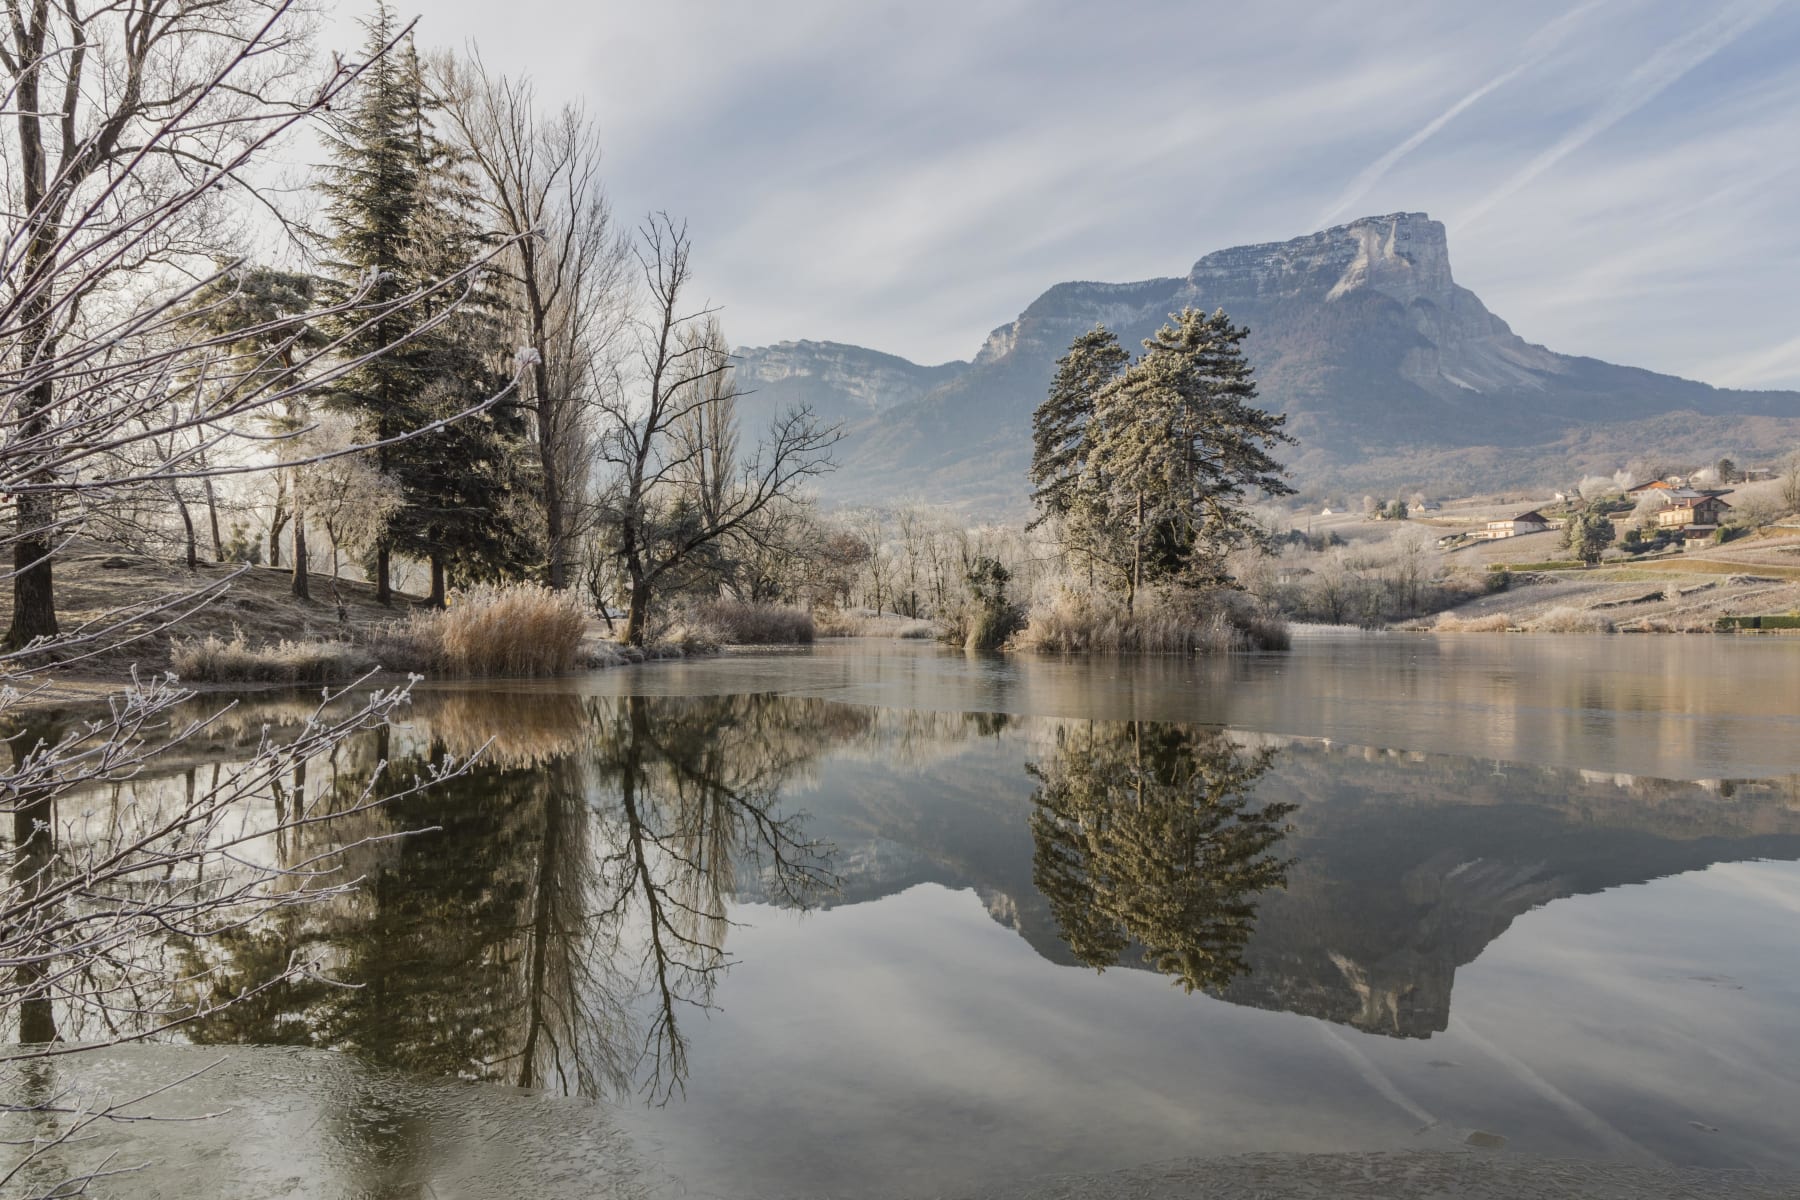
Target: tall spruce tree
(401, 205)
(468, 485)
(372, 192)
(1150, 479)
(1060, 426)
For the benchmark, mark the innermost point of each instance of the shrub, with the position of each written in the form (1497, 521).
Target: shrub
(841, 623)
(1173, 623)
(990, 618)
(1492, 623)
(215, 660)
(517, 629)
(746, 623)
(1563, 619)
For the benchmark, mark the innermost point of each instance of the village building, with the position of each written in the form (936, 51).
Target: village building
(1697, 514)
(1526, 522)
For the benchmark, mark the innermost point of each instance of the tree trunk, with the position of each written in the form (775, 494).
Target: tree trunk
(277, 522)
(384, 589)
(187, 523)
(555, 524)
(1137, 557)
(301, 587)
(636, 613)
(34, 595)
(212, 516)
(436, 599)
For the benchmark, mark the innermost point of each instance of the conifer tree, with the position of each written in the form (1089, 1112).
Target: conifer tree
(467, 484)
(1059, 427)
(372, 190)
(1149, 467)
(401, 211)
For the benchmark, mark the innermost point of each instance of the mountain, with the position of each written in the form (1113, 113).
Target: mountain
(1393, 376)
(1405, 867)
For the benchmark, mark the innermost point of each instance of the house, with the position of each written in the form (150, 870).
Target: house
(1526, 522)
(1653, 485)
(1698, 513)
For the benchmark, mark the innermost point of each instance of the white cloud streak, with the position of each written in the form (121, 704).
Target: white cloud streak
(1541, 46)
(1672, 61)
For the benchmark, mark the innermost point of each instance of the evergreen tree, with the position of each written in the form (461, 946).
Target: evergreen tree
(1060, 426)
(1148, 468)
(401, 207)
(467, 486)
(372, 192)
(1588, 535)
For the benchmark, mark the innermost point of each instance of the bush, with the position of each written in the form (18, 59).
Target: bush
(215, 660)
(1175, 623)
(517, 629)
(1570, 620)
(989, 618)
(1492, 623)
(746, 623)
(839, 623)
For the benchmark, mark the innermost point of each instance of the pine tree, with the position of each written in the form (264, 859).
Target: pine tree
(1149, 467)
(1060, 426)
(372, 189)
(466, 486)
(402, 207)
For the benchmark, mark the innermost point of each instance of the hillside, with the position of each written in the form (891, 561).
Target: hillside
(1394, 376)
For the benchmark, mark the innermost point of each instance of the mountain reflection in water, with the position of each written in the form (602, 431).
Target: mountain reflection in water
(567, 905)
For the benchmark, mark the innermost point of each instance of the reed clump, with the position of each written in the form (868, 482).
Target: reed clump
(214, 659)
(1173, 622)
(750, 623)
(1563, 619)
(844, 623)
(492, 630)
(1490, 623)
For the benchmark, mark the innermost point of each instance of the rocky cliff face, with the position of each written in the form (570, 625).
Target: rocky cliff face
(1392, 374)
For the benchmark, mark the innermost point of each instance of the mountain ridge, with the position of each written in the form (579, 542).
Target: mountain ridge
(1393, 375)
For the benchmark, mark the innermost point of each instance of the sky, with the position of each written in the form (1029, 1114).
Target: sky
(1619, 177)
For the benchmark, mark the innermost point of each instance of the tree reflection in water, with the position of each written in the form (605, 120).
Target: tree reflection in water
(1147, 833)
(565, 903)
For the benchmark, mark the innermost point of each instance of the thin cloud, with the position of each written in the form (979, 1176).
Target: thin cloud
(1674, 60)
(1541, 45)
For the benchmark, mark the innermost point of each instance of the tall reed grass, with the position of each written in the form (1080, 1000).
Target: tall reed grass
(516, 629)
(213, 659)
(746, 623)
(1210, 622)
(843, 623)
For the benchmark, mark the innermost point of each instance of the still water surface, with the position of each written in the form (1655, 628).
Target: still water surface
(882, 919)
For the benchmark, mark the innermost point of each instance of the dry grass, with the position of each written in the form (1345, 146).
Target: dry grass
(520, 629)
(1492, 623)
(837, 623)
(213, 659)
(744, 623)
(1563, 619)
(1204, 623)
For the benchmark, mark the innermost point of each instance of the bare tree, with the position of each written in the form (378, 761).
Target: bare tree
(1790, 482)
(656, 526)
(567, 269)
(111, 390)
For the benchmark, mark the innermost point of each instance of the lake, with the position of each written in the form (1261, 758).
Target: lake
(882, 919)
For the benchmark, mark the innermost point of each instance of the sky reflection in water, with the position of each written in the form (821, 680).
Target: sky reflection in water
(612, 909)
